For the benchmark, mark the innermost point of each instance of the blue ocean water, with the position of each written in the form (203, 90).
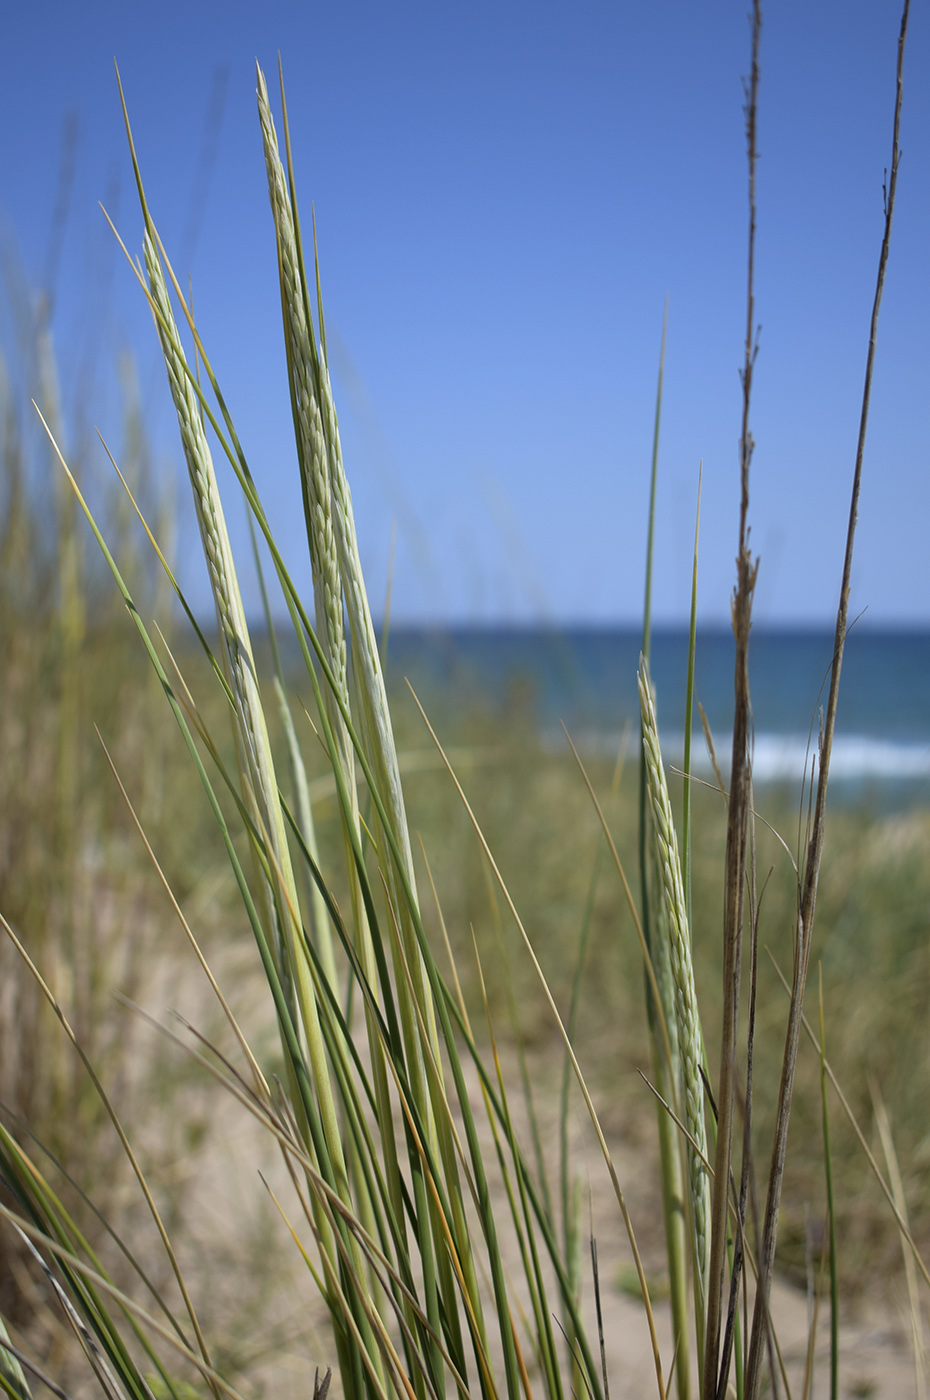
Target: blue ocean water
(586, 680)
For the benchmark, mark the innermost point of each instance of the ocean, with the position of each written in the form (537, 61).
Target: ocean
(585, 678)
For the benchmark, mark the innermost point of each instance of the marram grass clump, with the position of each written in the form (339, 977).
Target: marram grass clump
(445, 1249)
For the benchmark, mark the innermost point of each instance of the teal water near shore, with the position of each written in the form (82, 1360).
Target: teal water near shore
(585, 678)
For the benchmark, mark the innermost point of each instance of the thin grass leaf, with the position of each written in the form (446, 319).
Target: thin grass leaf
(887, 1191)
(120, 1132)
(95, 1283)
(523, 1219)
(910, 1273)
(689, 713)
(569, 1189)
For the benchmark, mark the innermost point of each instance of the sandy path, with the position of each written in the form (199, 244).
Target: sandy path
(236, 1229)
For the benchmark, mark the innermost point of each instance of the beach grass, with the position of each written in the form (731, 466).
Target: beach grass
(407, 930)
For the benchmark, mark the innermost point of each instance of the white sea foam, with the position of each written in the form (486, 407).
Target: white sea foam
(855, 758)
(786, 758)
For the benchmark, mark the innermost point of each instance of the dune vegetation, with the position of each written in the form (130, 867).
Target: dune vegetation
(482, 1055)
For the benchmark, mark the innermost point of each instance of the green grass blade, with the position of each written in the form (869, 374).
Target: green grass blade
(689, 714)
(12, 1376)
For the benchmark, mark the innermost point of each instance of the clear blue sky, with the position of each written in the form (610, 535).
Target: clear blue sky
(505, 194)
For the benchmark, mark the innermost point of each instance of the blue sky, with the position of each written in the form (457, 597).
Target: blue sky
(505, 194)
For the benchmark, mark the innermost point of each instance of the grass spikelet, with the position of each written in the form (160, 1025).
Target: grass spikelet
(334, 552)
(303, 369)
(687, 1018)
(253, 746)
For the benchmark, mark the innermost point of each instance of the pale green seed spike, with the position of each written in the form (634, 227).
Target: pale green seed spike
(279, 891)
(690, 1040)
(662, 961)
(303, 370)
(230, 614)
(303, 365)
